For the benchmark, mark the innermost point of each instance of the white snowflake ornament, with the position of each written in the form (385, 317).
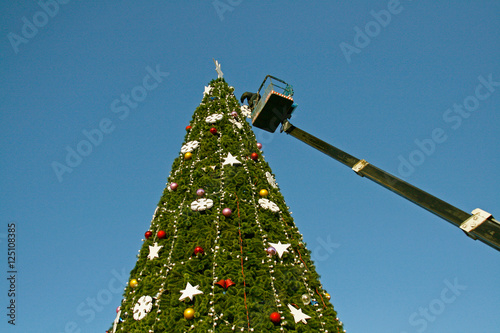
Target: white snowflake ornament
(246, 111)
(190, 146)
(236, 123)
(268, 204)
(143, 307)
(213, 118)
(201, 204)
(271, 180)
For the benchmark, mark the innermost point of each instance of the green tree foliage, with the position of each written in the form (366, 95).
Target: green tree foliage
(234, 246)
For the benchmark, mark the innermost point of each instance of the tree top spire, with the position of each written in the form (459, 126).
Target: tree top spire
(220, 75)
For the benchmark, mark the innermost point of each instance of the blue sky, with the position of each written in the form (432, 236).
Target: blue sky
(400, 84)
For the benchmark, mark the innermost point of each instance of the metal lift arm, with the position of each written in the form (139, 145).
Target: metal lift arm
(478, 225)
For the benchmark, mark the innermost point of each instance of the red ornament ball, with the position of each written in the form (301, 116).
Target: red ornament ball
(173, 186)
(275, 318)
(226, 212)
(161, 234)
(188, 128)
(148, 234)
(254, 156)
(259, 145)
(213, 130)
(198, 250)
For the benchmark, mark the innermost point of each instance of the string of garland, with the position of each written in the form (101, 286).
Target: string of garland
(216, 247)
(242, 266)
(263, 237)
(285, 226)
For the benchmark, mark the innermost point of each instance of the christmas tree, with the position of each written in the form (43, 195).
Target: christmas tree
(222, 253)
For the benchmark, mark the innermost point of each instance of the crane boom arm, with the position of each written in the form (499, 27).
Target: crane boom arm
(479, 225)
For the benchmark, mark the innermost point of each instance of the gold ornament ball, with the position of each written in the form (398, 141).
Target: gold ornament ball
(133, 283)
(189, 313)
(327, 295)
(187, 156)
(263, 193)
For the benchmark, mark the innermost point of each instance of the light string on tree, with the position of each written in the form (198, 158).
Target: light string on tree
(240, 241)
(273, 184)
(241, 261)
(235, 128)
(216, 247)
(294, 230)
(270, 262)
(288, 237)
(213, 118)
(304, 278)
(197, 160)
(155, 225)
(262, 235)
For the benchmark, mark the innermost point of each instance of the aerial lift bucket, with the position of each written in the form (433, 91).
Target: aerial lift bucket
(275, 105)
